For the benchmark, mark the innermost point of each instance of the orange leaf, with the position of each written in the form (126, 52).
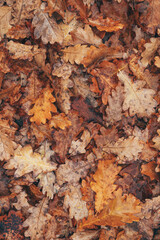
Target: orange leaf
(104, 187)
(106, 24)
(60, 121)
(43, 107)
(79, 6)
(120, 210)
(149, 170)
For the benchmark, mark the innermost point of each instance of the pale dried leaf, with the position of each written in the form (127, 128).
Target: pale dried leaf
(46, 28)
(21, 201)
(73, 201)
(127, 150)
(86, 235)
(85, 36)
(157, 61)
(37, 220)
(138, 100)
(46, 182)
(156, 140)
(20, 51)
(25, 161)
(79, 146)
(5, 16)
(72, 171)
(151, 48)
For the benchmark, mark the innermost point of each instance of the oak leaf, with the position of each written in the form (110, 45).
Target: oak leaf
(71, 171)
(156, 140)
(126, 149)
(60, 121)
(105, 24)
(138, 100)
(78, 146)
(85, 36)
(37, 220)
(41, 132)
(21, 201)
(43, 107)
(46, 28)
(73, 201)
(157, 61)
(55, 6)
(46, 182)
(19, 32)
(120, 210)
(26, 161)
(149, 170)
(103, 183)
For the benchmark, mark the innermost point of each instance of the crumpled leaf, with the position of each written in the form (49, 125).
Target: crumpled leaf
(5, 16)
(43, 107)
(138, 100)
(37, 220)
(105, 24)
(125, 149)
(25, 161)
(73, 201)
(120, 210)
(72, 171)
(78, 146)
(46, 182)
(103, 183)
(46, 28)
(59, 121)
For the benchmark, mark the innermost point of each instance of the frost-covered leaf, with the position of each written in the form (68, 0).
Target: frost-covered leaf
(46, 28)
(73, 201)
(25, 161)
(138, 100)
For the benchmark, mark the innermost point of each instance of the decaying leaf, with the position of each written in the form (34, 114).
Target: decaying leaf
(138, 100)
(25, 161)
(103, 183)
(46, 28)
(43, 107)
